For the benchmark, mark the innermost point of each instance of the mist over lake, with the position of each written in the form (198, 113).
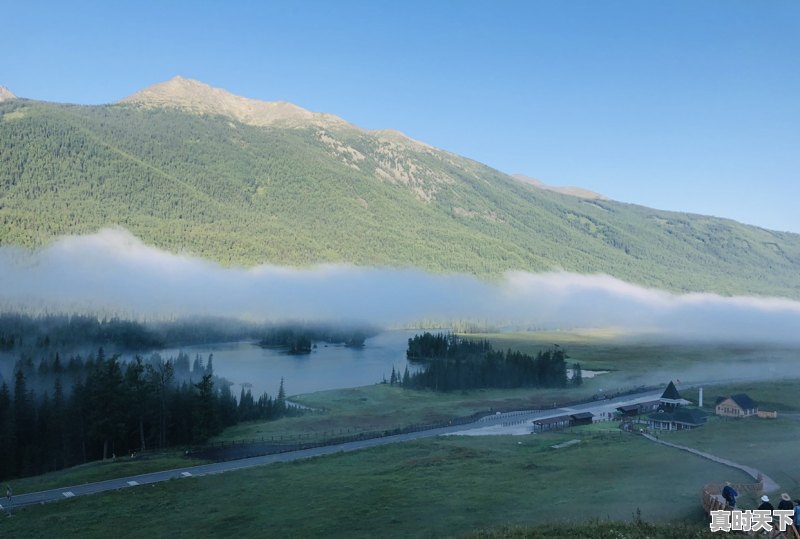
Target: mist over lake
(329, 366)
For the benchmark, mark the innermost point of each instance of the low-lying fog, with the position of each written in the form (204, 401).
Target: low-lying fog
(113, 271)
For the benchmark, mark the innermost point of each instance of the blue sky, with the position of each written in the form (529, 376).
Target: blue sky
(691, 106)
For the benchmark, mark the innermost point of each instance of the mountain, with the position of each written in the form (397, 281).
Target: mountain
(197, 97)
(5, 94)
(190, 168)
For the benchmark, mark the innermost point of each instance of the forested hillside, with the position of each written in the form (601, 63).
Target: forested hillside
(300, 194)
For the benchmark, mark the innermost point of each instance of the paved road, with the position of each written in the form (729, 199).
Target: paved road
(220, 467)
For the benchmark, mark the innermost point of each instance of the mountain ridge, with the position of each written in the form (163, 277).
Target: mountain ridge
(199, 97)
(299, 194)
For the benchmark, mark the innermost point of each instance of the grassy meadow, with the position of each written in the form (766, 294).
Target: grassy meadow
(439, 487)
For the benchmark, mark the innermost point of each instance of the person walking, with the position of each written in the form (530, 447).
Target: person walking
(786, 502)
(765, 504)
(729, 494)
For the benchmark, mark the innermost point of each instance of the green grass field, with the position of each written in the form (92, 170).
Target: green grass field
(440, 487)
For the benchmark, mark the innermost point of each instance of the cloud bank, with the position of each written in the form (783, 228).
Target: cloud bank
(112, 271)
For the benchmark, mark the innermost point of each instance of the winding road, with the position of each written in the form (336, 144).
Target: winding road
(487, 424)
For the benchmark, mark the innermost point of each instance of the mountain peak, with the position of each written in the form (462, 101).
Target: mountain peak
(201, 98)
(5, 94)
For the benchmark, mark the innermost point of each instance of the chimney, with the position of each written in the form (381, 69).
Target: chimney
(700, 399)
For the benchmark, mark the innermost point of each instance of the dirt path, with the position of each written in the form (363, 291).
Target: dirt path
(769, 484)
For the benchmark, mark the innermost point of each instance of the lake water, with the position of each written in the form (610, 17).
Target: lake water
(327, 367)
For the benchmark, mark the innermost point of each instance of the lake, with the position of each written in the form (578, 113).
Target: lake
(329, 366)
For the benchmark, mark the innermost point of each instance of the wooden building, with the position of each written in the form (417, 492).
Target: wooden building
(739, 405)
(551, 423)
(633, 410)
(582, 418)
(672, 413)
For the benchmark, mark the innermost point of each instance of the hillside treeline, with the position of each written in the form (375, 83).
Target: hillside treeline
(27, 332)
(60, 413)
(245, 195)
(22, 331)
(452, 363)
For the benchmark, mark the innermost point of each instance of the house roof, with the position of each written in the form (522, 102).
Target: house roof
(652, 403)
(582, 415)
(671, 392)
(694, 416)
(628, 408)
(638, 406)
(741, 399)
(744, 402)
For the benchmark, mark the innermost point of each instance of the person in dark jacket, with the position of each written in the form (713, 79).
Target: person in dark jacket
(786, 502)
(765, 504)
(729, 494)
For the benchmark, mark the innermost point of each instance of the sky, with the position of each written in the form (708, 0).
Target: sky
(682, 105)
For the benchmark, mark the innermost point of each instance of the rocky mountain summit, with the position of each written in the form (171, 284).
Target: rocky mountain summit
(5, 94)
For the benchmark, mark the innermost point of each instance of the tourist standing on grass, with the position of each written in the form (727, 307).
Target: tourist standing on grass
(730, 494)
(785, 503)
(765, 504)
(9, 493)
